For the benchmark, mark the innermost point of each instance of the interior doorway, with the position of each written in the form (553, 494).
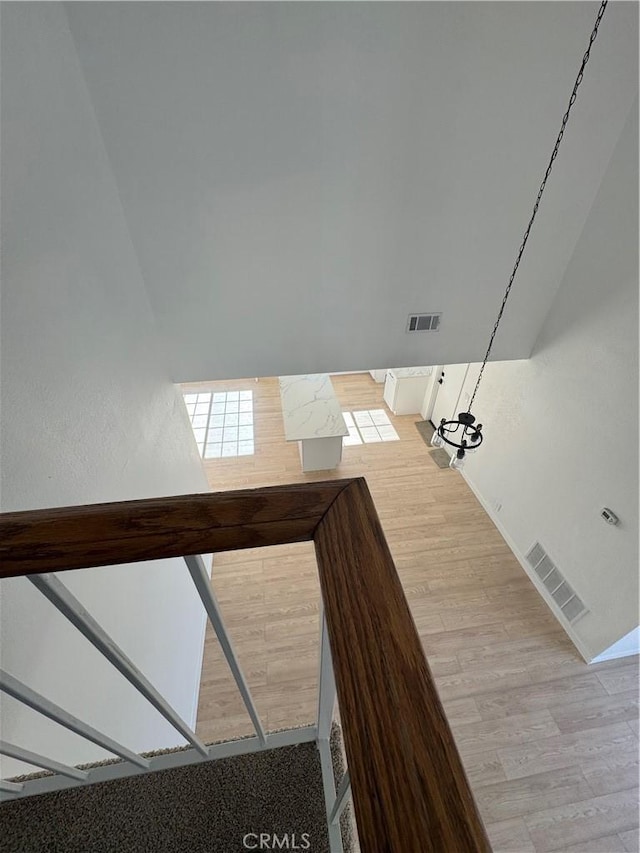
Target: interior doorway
(450, 382)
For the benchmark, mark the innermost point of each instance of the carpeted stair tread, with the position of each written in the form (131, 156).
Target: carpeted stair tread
(202, 808)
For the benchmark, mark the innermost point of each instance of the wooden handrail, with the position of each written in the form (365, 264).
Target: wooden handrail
(409, 788)
(410, 791)
(79, 537)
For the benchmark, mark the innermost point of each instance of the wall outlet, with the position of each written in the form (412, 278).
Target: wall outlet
(609, 516)
(497, 506)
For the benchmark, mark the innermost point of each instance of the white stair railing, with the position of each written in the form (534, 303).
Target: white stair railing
(334, 802)
(67, 604)
(65, 776)
(12, 687)
(198, 572)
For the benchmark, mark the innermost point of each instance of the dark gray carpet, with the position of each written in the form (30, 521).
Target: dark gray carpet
(426, 430)
(439, 456)
(204, 808)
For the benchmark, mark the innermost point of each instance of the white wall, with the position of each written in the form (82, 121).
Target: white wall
(561, 429)
(299, 177)
(625, 647)
(89, 413)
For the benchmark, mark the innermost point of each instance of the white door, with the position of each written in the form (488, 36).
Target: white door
(450, 384)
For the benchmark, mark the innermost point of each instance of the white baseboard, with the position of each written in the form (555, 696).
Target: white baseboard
(586, 653)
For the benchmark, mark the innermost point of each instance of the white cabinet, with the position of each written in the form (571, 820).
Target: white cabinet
(405, 387)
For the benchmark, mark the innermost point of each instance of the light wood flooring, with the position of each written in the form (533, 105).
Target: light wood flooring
(550, 744)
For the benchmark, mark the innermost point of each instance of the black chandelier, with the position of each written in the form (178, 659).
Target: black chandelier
(463, 433)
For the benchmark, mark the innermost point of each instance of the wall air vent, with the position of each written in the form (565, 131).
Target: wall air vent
(423, 322)
(564, 596)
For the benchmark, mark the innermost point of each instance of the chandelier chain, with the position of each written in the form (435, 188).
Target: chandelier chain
(565, 118)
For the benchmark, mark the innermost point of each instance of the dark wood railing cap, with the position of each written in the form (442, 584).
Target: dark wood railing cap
(410, 791)
(62, 538)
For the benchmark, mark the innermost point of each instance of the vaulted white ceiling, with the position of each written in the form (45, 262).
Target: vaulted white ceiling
(297, 177)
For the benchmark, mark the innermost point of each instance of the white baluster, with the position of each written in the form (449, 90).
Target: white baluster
(69, 606)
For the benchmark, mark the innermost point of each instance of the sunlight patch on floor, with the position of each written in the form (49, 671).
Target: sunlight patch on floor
(369, 426)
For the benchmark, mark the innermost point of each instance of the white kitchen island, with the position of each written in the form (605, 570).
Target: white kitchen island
(313, 417)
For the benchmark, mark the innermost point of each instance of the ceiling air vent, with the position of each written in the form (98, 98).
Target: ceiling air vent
(423, 322)
(570, 605)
